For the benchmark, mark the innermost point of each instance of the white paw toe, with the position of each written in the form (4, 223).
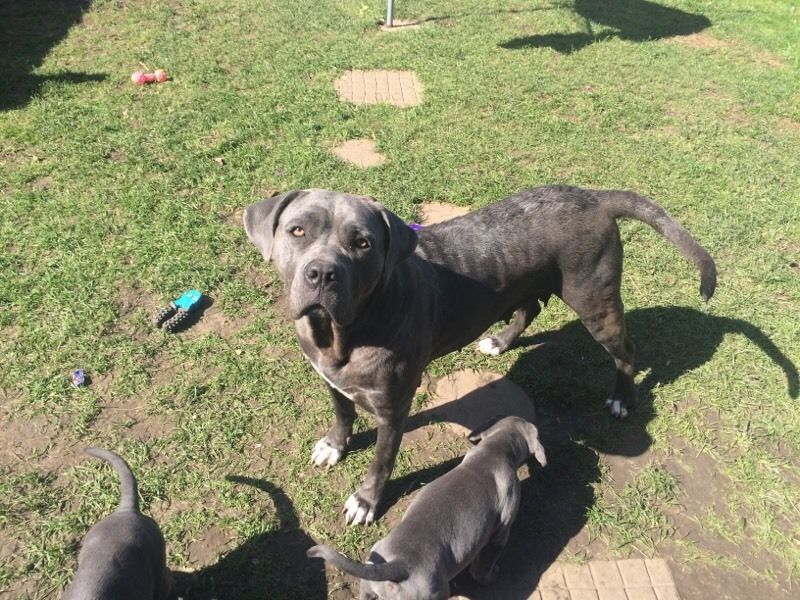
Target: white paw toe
(325, 454)
(358, 512)
(489, 346)
(617, 408)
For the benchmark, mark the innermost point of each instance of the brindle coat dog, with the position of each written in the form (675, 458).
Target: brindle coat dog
(374, 302)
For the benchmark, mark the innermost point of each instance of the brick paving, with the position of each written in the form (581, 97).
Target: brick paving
(399, 88)
(630, 579)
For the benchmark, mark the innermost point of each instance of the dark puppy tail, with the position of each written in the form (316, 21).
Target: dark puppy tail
(391, 571)
(629, 204)
(129, 492)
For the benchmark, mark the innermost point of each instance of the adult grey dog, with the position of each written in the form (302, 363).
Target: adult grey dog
(461, 519)
(123, 557)
(373, 302)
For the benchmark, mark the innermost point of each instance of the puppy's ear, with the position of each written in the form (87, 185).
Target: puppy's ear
(476, 435)
(534, 446)
(261, 220)
(400, 243)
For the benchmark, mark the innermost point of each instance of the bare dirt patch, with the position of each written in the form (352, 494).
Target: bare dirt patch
(361, 153)
(700, 40)
(117, 156)
(785, 124)
(130, 417)
(131, 304)
(35, 441)
(704, 41)
(235, 217)
(42, 183)
(705, 490)
(737, 116)
(213, 320)
(205, 550)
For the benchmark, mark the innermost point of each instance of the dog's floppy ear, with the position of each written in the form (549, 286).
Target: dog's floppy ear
(534, 445)
(400, 243)
(476, 435)
(261, 220)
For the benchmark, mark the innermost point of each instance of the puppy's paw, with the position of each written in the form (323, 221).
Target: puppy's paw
(325, 454)
(485, 577)
(358, 511)
(491, 346)
(617, 408)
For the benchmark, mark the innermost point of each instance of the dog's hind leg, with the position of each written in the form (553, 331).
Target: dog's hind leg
(499, 343)
(484, 568)
(601, 312)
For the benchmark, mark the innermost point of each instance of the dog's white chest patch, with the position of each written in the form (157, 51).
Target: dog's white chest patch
(362, 396)
(329, 382)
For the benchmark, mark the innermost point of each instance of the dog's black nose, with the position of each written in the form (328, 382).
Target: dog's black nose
(318, 273)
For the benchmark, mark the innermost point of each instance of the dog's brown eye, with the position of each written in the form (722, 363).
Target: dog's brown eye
(362, 243)
(298, 231)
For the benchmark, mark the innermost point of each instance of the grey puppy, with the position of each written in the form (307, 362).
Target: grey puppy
(374, 303)
(461, 519)
(123, 557)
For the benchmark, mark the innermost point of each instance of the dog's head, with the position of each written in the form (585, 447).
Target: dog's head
(332, 250)
(520, 433)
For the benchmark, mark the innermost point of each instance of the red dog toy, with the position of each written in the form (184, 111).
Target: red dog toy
(140, 78)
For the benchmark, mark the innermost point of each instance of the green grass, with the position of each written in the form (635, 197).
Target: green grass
(112, 201)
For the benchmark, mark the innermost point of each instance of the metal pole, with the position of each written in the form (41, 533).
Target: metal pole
(389, 12)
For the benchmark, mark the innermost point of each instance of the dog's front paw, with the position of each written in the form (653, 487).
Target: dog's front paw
(491, 346)
(325, 454)
(358, 511)
(617, 408)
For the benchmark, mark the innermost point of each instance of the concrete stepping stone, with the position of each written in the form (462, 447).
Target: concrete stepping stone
(467, 399)
(361, 153)
(398, 88)
(435, 212)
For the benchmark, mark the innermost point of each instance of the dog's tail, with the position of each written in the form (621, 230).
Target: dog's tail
(129, 491)
(629, 204)
(391, 571)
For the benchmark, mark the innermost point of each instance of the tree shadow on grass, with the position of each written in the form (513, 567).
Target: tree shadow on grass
(29, 30)
(632, 20)
(269, 565)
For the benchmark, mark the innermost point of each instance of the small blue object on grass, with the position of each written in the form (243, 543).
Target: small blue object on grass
(188, 300)
(175, 314)
(78, 377)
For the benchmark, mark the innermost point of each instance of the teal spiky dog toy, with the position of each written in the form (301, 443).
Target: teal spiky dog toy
(175, 314)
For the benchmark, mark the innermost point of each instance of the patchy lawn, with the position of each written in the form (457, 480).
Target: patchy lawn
(116, 198)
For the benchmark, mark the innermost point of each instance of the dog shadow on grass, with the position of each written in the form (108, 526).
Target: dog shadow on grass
(568, 375)
(632, 20)
(269, 565)
(28, 31)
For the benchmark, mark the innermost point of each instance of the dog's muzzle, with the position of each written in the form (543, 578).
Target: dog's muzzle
(322, 285)
(320, 275)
